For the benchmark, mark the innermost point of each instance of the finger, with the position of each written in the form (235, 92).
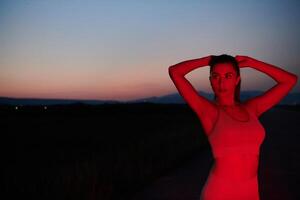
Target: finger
(238, 57)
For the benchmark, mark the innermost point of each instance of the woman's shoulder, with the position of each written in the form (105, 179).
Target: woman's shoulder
(210, 117)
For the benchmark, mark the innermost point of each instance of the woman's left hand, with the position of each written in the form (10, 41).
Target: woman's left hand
(244, 61)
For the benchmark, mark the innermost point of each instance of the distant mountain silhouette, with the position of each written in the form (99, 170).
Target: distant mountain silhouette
(290, 99)
(170, 98)
(175, 98)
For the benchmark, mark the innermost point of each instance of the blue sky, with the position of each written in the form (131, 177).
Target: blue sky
(121, 50)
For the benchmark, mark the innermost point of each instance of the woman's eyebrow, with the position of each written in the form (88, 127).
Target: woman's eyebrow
(219, 73)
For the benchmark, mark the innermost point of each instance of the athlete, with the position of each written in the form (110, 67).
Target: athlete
(232, 127)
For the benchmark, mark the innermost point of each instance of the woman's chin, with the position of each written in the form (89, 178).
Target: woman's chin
(222, 93)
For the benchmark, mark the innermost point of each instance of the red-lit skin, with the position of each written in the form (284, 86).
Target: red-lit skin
(235, 167)
(223, 80)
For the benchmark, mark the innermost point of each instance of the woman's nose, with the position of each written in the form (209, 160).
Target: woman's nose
(221, 79)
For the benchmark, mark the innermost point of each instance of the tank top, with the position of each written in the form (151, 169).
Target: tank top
(231, 137)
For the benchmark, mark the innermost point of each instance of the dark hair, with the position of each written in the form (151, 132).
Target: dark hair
(224, 58)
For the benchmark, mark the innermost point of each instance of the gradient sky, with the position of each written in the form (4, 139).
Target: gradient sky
(121, 49)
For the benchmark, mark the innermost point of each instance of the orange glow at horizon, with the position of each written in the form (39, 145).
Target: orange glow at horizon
(122, 51)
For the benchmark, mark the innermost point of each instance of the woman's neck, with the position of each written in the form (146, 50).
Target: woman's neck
(226, 102)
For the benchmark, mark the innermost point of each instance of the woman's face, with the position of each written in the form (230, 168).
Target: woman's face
(223, 79)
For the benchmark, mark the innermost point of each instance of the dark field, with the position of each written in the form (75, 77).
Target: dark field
(117, 151)
(94, 152)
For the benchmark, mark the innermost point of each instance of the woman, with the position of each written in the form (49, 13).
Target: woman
(232, 127)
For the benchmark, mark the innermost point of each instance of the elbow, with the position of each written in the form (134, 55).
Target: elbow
(295, 78)
(172, 70)
(175, 71)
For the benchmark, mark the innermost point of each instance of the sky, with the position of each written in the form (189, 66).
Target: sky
(121, 49)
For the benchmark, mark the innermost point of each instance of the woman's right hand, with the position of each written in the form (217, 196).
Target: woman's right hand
(244, 61)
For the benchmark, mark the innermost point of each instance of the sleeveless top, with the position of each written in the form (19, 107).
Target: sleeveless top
(231, 137)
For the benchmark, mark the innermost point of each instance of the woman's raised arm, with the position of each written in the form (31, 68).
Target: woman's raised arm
(285, 82)
(198, 103)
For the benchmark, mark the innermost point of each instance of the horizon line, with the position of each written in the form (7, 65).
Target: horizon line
(90, 99)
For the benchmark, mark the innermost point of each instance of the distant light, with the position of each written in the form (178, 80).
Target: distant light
(45, 107)
(16, 108)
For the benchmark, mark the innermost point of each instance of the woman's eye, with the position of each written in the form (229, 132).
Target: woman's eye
(229, 76)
